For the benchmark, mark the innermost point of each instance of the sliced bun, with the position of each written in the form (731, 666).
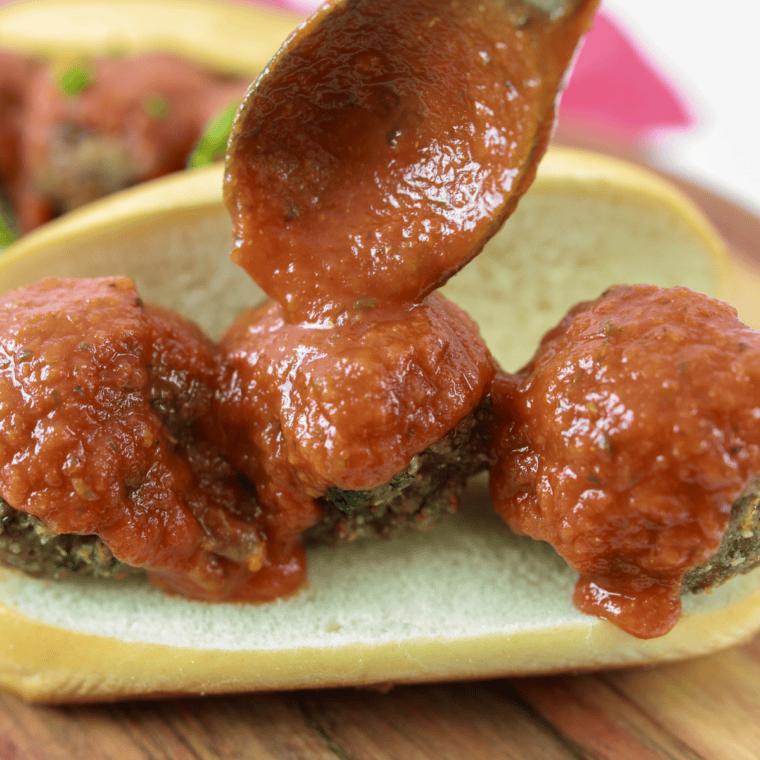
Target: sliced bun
(588, 222)
(466, 600)
(228, 37)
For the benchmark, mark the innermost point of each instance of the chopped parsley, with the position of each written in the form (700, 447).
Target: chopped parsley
(7, 235)
(156, 106)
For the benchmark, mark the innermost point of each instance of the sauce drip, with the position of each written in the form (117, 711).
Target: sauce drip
(626, 440)
(372, 159)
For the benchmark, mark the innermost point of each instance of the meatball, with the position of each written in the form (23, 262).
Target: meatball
(739, 551)
(16, 70)
(102, 401)
(27, 544)
(625, 442)
(80, 165)
(359, 428)
(418, 497)
(92, 127)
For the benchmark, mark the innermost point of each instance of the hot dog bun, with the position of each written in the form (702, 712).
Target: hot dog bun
(466, 600)
(228, 37)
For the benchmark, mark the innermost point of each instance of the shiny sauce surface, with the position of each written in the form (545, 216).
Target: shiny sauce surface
(304, 410)
(376, 154)
(101, 402)
(390, 143)
(625, 442)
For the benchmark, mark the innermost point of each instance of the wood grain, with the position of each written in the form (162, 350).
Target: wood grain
(601, 720)
(705, 709)
(444, 722)
(712, 703)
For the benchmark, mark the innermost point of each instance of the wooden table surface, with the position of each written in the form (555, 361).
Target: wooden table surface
(704, 709)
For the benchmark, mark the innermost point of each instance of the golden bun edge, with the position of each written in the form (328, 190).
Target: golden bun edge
(225, 36)
(48, 664)
(466, 600)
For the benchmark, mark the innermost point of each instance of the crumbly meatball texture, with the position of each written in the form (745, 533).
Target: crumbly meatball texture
(739, 551)
(419, 497)
(113, 455)
(28, 545)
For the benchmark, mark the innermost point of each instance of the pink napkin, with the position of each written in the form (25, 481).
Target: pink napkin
(614, 84)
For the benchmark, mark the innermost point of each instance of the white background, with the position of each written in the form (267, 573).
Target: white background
(711, 50)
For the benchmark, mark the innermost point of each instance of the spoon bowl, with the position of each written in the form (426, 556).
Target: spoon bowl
(388, 140)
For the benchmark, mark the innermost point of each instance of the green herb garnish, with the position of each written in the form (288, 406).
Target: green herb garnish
(213, 143)
(7, 235)
(76, 78)
(156, 106)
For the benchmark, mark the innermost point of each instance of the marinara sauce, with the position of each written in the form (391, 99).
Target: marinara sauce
(384, 145)
(304, 410)
(101, 405)
(625, 442)
(387, 142)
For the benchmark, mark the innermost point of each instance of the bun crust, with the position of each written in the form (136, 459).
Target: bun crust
(466, 600)
(70, 28)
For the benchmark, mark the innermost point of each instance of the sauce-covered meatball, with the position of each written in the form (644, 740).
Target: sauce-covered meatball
(95, 126)
(102, 401)
(625, 442)
(308, 411)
